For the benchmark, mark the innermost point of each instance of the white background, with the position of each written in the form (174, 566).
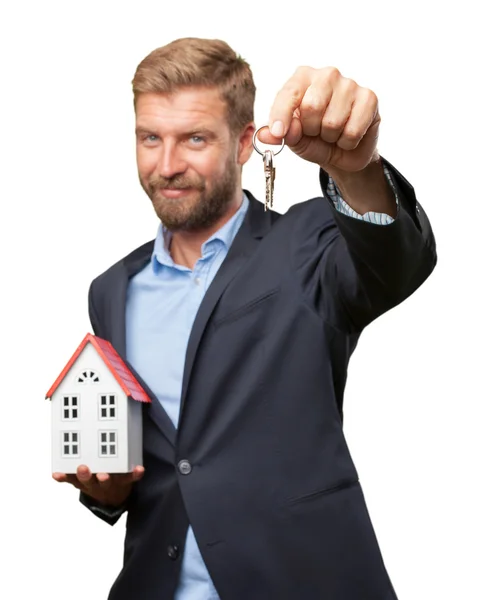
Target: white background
(71, 205)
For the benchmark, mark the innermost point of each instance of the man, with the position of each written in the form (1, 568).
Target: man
(241, 324)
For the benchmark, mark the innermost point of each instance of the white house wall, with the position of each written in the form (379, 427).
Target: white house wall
(89, 424)
(135, 434)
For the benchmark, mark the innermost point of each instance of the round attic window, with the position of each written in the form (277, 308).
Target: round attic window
(88, 376)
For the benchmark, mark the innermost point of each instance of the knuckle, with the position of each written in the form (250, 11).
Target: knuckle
(292, 92)
(312, 104)
(301, 69)
(331, 124)
(307, 109)
(332, 73)
(370, 96)
(352, 134)
(348, 143)
(349, 84)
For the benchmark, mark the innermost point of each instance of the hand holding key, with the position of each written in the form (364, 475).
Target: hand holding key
(325, 118)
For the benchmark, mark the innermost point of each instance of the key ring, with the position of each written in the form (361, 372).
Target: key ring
(256, 147)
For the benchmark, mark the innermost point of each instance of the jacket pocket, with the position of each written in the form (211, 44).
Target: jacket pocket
(322, 492)
(237, 313)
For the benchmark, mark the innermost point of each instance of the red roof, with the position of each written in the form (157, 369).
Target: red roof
(112, 360)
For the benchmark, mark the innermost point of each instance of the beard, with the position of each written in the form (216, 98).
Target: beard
(200, 208)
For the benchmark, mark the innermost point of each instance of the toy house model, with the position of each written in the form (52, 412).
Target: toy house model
(96, 412)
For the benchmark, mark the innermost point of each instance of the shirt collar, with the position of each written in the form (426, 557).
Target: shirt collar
(224, 236)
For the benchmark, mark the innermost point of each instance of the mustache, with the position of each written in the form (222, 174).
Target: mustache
(178, 182)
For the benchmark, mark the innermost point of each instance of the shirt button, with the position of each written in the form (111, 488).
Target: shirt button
(197, 280)
(173, 552)
(184, 467)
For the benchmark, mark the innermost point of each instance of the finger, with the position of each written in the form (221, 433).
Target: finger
(266, 137)
(84, 475)
(316, 101)
(104, 479)
(71, 479)
(338, 110)
(130, 478)
(287, 100)
(295, 133)
(64, 478)
(138, 473)
(363, 113)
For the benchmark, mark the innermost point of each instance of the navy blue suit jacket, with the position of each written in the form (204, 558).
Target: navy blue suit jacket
(273, 495)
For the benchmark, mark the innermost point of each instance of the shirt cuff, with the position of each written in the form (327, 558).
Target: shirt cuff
(112, 513)
(106, 513)
(371, 217)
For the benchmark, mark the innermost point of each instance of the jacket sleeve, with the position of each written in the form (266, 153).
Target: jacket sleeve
(352, 271)
(109, 514)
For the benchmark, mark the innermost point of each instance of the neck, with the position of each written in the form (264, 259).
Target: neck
(185, 248)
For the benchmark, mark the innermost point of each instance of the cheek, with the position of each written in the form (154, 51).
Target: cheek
(210, 168)
(146, 162)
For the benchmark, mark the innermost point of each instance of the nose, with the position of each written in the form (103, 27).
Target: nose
(170, 161)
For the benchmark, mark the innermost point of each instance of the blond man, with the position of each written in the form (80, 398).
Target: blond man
(241, 323)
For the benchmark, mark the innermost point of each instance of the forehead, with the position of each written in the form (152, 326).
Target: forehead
(185, 107)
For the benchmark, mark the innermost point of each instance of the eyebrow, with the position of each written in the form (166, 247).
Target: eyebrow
(196, 131)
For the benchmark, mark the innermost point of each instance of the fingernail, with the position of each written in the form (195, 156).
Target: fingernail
(277, 129)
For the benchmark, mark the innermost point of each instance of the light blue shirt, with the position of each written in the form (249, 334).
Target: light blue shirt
(162, 303)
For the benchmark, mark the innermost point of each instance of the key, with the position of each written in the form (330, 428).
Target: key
(269, 172)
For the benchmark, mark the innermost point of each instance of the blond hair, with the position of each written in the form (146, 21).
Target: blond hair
(188, 62)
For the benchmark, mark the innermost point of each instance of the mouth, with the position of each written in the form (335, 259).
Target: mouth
(175, 192)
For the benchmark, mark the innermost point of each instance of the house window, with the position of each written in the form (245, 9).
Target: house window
(108, 443)
(108, 408)
(88, 376)
(70, 444)
(70, 408)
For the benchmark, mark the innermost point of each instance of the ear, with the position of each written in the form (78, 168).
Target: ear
(245, 143)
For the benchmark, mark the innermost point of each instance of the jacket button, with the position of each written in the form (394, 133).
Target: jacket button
(173, 552)
(184, 467)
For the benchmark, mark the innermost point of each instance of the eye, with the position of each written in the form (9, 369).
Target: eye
(197, 139)
(151, 138)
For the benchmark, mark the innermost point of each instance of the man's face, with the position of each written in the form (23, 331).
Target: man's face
(188, 162)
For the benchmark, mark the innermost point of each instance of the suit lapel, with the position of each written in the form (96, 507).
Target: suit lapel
(256, 224)
(117, 302)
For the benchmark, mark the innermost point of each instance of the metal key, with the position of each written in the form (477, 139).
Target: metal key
(269, 170)
(269, 173)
